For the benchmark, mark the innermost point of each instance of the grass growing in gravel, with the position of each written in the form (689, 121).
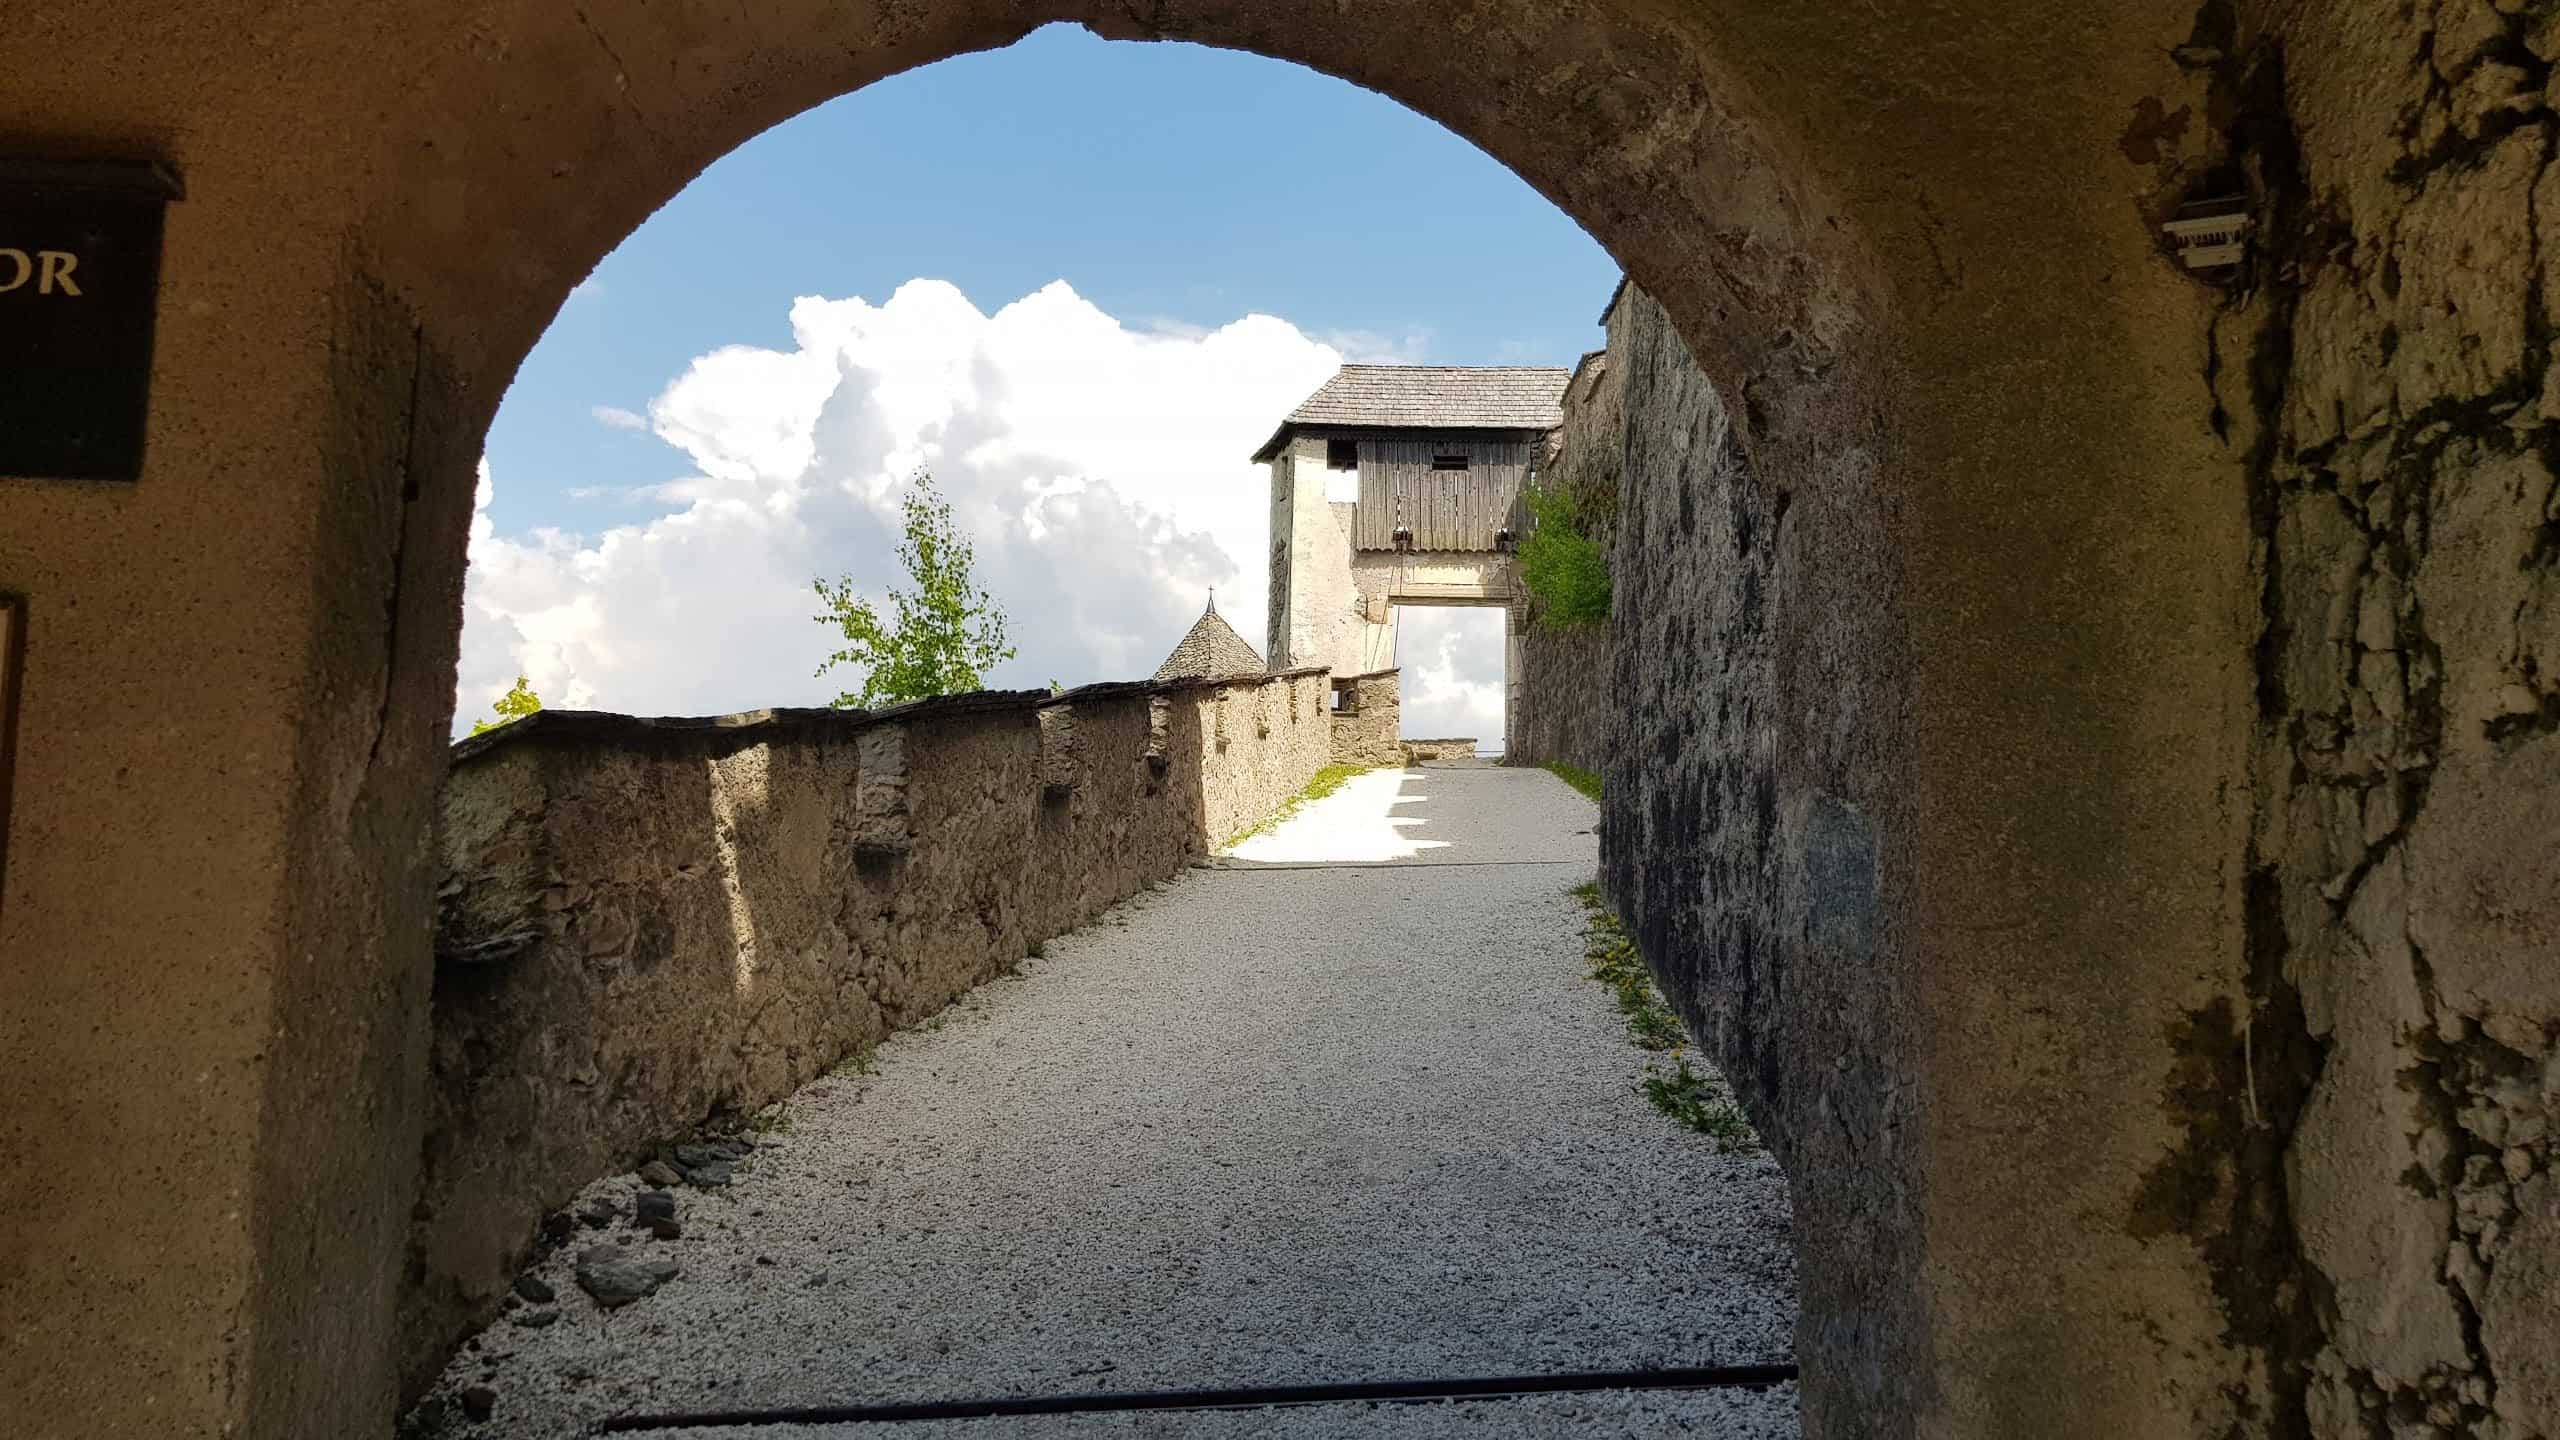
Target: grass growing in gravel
(1577, 777)
(1328, 780)
(1692, 1094)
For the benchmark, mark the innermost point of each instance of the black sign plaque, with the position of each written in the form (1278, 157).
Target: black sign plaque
(79, 287)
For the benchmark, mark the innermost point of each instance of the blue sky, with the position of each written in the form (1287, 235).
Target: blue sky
(1174, 189)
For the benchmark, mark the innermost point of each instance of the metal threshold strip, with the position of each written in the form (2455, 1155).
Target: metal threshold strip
(1247, 1397)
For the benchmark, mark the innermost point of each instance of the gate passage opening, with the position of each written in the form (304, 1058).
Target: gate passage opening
(1403, 488)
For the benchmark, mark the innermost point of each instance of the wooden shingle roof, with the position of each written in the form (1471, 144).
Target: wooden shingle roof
(1212, 651)
(1431, 397)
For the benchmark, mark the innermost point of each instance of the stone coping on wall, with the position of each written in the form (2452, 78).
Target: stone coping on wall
(791, 721)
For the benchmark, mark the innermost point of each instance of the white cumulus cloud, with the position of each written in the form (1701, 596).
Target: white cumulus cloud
(1100, 470)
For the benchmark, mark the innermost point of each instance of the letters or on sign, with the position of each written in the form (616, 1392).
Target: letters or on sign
(79, 287)
(13, 630)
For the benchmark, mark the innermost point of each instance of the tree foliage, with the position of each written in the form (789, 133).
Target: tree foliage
(946, 632)
(1563, 565)
(517, 703)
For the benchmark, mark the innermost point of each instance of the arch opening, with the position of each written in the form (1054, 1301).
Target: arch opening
(749, 448)
(1926, 793)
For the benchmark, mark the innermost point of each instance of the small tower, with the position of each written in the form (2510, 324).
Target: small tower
(1212, 651)
(1400, 485)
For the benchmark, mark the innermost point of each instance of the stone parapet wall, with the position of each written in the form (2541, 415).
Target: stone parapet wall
(649, 925)
(1568, 704)
(1364, 727)
(1461, 747)
(1257, 746)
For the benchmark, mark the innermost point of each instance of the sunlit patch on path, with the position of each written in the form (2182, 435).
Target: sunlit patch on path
(1370, 819)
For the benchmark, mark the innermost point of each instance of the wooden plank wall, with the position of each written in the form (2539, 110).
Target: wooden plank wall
(1446, 509)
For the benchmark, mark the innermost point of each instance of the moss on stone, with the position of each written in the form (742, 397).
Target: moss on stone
(1577, 777)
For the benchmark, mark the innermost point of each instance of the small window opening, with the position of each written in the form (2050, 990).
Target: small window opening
(1449, 462)
(1342, 454)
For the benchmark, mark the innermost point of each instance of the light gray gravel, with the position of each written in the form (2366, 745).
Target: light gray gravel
(1264, 1126)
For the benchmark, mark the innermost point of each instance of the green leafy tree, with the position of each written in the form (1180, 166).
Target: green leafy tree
(1564, 567)
(516, 704)
(947, 632)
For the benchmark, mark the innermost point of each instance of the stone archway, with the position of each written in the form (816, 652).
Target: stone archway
(1941, 879)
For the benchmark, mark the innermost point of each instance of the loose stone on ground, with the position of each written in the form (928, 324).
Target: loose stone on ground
(615, 1276)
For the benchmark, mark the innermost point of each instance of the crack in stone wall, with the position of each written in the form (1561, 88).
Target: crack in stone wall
(2403, 429)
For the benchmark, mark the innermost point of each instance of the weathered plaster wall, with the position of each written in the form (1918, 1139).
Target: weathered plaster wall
(646, 925)
(2389, 372)
(1364, 731)
(2365, 1162)
(1316, 614)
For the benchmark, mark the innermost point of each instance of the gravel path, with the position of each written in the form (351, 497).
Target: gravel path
(1304, 1123)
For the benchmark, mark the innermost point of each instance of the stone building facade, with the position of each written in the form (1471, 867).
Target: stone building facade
(1397, 485)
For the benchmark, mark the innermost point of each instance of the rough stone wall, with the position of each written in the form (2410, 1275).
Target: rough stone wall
(2388, 370)
(1259, 744)
(1364, 733)
(1749, 870)
(647, 925)
(1567, 708)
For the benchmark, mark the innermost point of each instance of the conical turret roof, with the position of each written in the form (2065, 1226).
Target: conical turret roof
(1212, 651)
